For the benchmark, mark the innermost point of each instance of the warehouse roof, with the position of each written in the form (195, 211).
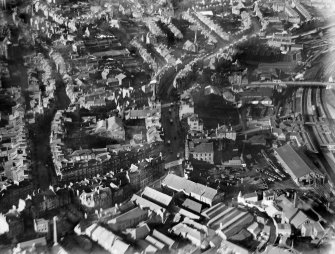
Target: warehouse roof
(298, 165)
(182, 184)
(157, 196)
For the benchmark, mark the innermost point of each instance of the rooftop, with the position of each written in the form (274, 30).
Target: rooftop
(204, 148)
(192, 205)
(181, 184)
(157, 196)
(299, 165)
(146, 203)
(163, 238)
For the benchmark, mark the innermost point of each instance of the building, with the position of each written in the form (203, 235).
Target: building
(186, 106)
(297, 165)
(37, 245)
(140, 232)
(293, 215)
(230, 247)
(96, 198)
(248, 198)
(41, 226)
(314, 230)
(293, 16)
(147, 204)
(195, 123)
(170, 243)
(254, 229)
(158, 244)
(202, 151)
(112, 127)
(144, 173)
(157, 197)
(197, 191)
(278, 5)
(127, 220)
(284, 229)
(108, 240)
(280, 39)
(15, 224)
(302, 10)
(45, 201)
(192, 206)
(193, 235)
(190, 46)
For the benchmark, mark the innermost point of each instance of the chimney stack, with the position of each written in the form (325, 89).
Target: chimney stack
(295, 201)
(55, 230)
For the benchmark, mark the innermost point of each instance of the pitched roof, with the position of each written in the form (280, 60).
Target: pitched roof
(157, 196)
(298, 165)
(105, 238)
(188, 232)
(181, 184)
(141, 230)
(250, 195)
(158, 244)
(163, 238)
(204, 148)
(192, 205)
(142, 113)
(142, 202)
(114, 123)
(129, 215)
(298, 219)
(147, 247)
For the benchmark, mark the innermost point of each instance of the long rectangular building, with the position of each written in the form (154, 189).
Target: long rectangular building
(198, 191)
(297, 165)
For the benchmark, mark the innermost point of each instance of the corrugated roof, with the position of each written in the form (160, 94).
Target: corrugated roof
(157, 196)
(298, 166)
(181, 184)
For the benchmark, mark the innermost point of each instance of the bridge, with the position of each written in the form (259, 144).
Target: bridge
(328, 85)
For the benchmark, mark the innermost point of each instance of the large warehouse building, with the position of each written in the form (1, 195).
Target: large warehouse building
(298, 165)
